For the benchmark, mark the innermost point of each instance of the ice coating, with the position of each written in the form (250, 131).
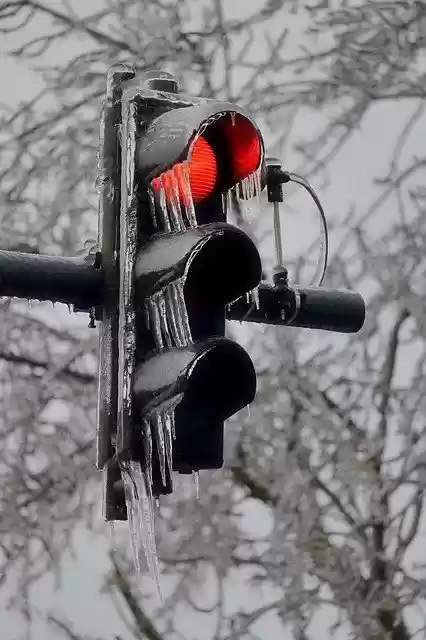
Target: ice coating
(160, 424)
(140, 514)
(255, 297)
(250, 187)
(172, 210)
(196, 481)
(173, 202)
(168, 316)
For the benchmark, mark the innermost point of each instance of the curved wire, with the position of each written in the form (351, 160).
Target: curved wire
(319, 274)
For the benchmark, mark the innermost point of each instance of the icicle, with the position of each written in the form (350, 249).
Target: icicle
(147, 443)
(248, 297)
(168, 439)
(162, 203)
(158, 427)
(172, 310)
(183, 315)
(171, 186)
(227, 202)
(233, 118)
(248, 411)
(243, 189)
(173, 424)
(157, 502)
(176, 292)
(239, 191)
(224, 204)
(248, 187)
(70, 308)
(155, 321)
(112, 537)
(255, 297)
(131, 516)
(251, 185)
(188, 202)
(152, 208)
(30, 304)
(162, 310)
(257, 183)
(139, 502)
(196, 480)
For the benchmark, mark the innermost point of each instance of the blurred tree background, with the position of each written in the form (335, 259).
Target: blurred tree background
(316, 525)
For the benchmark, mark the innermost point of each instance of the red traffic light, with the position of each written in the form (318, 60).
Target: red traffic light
(244, 145)
(200, 170)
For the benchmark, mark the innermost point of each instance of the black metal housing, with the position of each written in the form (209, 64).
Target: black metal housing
(73, 281)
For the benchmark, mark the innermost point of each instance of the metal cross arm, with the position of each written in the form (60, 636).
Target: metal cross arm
(310, 308)
(73, 281)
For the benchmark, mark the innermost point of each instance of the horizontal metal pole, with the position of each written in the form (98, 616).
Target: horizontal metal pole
(314, 308)
(43, 277)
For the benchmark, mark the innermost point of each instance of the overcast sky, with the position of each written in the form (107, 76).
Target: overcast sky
(365, 156)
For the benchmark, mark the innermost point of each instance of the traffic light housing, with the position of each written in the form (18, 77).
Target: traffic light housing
(177, 264)
(167, 265)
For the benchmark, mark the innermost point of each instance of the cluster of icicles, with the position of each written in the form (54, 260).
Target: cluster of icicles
(173, 210)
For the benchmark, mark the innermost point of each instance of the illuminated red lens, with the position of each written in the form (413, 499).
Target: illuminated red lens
(244, 145)
(202, 170)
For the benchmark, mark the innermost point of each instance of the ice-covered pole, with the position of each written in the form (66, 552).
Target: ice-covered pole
(72, 281)
(309, 308)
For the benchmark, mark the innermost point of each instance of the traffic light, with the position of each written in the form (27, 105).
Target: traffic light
(168, 266)
(180, 264)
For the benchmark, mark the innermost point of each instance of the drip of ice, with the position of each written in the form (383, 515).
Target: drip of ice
(196, 480)
(70, 308)
(173, 316)
(147, 444)
(160, 204)
(140, 513)
(168, 316)
(233, 118)
(168, 430)
(158, 428)
(161, 424)
(172, 199)
(250, 187)
(164, 325)
(227, 202)
(178, 312)
(113, 537)
(188, 202)
(154, 320)
(248, 411)
(152, 209)
(30, 304)
(255, 298)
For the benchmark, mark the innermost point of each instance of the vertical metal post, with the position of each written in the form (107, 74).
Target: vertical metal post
(109, 212)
